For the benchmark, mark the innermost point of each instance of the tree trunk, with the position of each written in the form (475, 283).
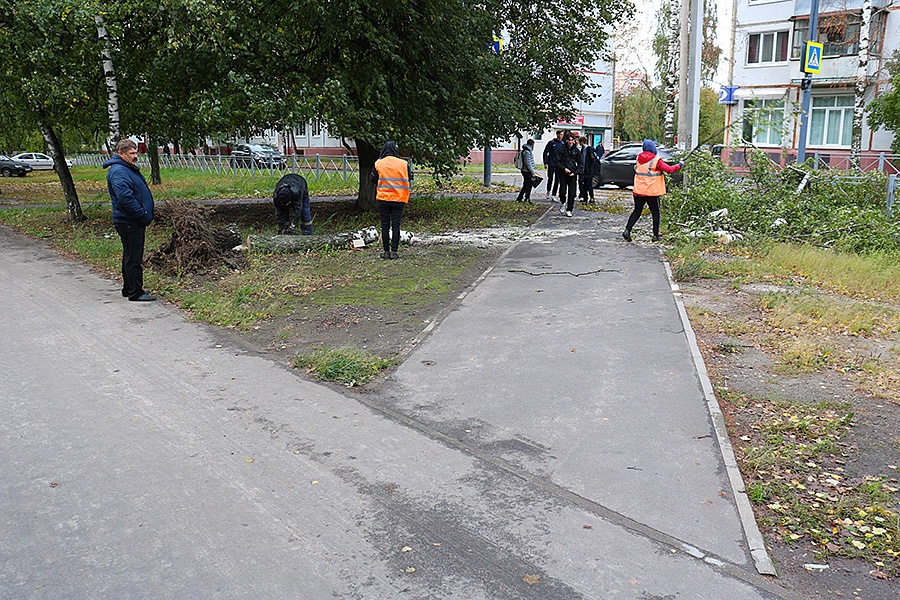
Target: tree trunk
(862, 69)
(73, 206)
(670, 83)
(112, 88)
(367, 155)
(302, 243)
(153, 153)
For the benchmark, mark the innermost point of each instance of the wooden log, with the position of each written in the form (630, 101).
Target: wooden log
(297, 243)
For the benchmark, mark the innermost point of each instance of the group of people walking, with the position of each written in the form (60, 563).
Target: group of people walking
(572, 164)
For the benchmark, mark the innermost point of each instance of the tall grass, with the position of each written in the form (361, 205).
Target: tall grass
(875, 276)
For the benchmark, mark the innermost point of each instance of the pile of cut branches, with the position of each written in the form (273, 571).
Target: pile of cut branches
(195, 246)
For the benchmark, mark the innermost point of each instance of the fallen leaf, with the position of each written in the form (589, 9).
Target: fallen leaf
(879, 574)
(315, 482)
(410, 569)
(249, 460)
(531, 579)
(587, 526)
(406, 549)
(54, 484)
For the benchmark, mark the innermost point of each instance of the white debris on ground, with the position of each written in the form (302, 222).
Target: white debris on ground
(482, 238)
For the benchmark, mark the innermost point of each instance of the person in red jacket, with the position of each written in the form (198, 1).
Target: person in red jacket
(649, 187)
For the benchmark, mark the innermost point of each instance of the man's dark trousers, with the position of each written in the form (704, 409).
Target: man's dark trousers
(132, 237)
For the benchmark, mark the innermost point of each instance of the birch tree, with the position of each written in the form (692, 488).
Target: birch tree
(862, 69)
(112, 88)
(667, 48)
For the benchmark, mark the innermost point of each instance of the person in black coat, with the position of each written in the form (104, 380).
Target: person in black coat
(586, 179)
(569, 165)
(550, 151)
(291, 200)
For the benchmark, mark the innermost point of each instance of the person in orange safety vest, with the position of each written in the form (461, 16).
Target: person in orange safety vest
(394, 179)
(649, 187)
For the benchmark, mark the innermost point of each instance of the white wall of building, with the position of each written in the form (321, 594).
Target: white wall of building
(769, 78)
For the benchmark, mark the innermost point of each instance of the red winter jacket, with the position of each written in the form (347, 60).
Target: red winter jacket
(645, 157)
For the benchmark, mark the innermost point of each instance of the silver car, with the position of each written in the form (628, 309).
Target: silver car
(38, 160)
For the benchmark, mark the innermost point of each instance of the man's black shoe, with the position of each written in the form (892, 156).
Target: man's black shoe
(145, 297)
(626, 235)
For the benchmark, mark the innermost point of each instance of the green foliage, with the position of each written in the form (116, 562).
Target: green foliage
(639, 114)
(831, 210)
(884, 110)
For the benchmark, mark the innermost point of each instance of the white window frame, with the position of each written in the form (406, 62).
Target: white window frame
(773, 37)
(831, 121)
(766, 120)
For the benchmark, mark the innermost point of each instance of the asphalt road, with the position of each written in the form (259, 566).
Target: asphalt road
(548, 438)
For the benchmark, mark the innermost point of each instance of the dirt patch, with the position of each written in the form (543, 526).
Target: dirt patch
(740, 348)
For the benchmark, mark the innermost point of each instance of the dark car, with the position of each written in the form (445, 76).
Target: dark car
(617, 167)
(262, 156)
(10, 167)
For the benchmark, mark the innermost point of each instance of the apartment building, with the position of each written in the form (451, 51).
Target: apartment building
(766, 97)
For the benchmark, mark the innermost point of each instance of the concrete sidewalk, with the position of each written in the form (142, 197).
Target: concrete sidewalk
(549, 438)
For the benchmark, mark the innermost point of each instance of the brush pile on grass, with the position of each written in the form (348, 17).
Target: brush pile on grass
(195, 246)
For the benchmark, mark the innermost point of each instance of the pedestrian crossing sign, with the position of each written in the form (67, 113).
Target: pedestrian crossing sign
(812, 57)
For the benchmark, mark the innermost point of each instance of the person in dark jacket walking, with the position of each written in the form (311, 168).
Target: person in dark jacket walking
(132, 211)
(291, 200)
(570, 168)
(550, 151)
(527, 172)
(586, 179)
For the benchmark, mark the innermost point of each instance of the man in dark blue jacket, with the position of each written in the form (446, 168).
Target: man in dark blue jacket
(132, 211)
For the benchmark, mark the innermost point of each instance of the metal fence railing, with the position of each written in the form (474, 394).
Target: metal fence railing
(344, 167)
(884, 162)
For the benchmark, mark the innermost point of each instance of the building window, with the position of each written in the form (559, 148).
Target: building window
(300, 130)
(831, 121)
(764, 121)
(767, 47)
(316, 129)
(839, 34)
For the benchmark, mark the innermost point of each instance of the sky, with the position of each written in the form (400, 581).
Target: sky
(645, 20)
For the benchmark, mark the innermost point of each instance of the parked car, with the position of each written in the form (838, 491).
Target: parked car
(617, 167)
(261, 155)
(38, 161)
(10, 167)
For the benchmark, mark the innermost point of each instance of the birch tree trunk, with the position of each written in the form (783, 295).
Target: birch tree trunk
(112, 88)
(670, 82)
(862, 70)
(73, 206)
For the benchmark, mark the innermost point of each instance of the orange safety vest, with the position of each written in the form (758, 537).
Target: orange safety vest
(393, 179)
(647, 180)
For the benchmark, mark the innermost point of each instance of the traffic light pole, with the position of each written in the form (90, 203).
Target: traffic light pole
(806, 84)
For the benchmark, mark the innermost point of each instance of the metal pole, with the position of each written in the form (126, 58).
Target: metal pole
(806, 86)
(892, 186)
(487, 165)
